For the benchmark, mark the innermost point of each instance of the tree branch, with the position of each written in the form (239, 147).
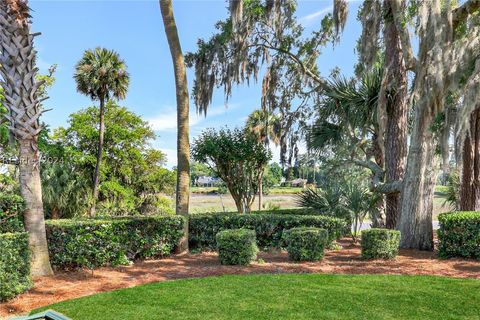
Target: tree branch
(408, 56)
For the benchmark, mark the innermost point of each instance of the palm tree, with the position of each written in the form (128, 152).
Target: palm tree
(23, 100)
(183, 144)
(265, 127)
(101, 75)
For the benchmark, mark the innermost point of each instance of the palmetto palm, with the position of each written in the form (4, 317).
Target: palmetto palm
(101, 75)
(265, 126)
(23, 100)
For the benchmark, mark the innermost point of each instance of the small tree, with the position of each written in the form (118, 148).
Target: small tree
(238, 158)
(102, 75)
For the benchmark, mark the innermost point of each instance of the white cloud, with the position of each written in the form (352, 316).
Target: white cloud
(308, 19)
(168, 120)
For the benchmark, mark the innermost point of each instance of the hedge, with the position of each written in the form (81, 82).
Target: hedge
(14, 265)
(95, 243)
(236, 246)
(305, 243)
(459, 234)
(380, 243)
(268, 227)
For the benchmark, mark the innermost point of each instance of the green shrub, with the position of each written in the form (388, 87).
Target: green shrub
(236, 246)
(380, 243)
(14, 265)
(268, 227)
(11, 208)
(459, 235)
(306, 244)
(95, 243)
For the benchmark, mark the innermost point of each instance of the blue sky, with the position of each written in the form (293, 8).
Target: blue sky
(134, 29)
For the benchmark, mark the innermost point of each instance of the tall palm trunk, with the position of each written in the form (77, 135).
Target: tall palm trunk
(17, 67)
(183, 144)
(397, 115)
(470, 179)
(96, 177)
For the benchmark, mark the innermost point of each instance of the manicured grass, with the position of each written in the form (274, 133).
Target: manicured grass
(308, 296)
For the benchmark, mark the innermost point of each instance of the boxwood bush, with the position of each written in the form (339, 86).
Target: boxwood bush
(459, 235)
(306, 244)
(269, 227)
(14, 265)
(237, 246)
(101, 242)
(380, 243)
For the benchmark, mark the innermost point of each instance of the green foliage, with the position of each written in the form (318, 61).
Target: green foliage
(132, 172)
(198, 170)
(236, 246)
(452, 194)
(272, 177)
(459, 235)
(14, 265)
(380, 243)
(11, 209)
(306, 244)
(11, 205)
(350, 200)
(269, 227)
(237, 158)
(95, 243)
(101, 75)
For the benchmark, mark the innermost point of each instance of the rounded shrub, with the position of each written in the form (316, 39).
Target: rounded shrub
(306, 244)
(380, 243)
(237, 246)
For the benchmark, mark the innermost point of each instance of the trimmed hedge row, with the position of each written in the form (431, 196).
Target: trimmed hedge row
(269, 227)
(306, 243)
(237, 246)
(96, 243)
(459, 234)
(14, 265)
(380, 243)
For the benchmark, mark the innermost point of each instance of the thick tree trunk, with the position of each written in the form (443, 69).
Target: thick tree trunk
(415, 223)
(183, 143)
(31, 190)
(96, 176)
(470, 179)
(397, 115)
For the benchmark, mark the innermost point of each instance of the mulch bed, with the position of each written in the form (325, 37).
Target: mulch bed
(69, 285)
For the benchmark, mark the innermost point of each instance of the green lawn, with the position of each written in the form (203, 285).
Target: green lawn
(308, 296)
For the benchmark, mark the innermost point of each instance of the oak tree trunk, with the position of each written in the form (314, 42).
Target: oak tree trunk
(397, 115)
(31, 190)
(470, 179)
(183, 143)
(96, 177)
(415, 223)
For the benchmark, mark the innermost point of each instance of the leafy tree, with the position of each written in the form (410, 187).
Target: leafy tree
(132, 172)
(237, 158)
(271, 177)
(23, 95)
(183, 138)
(198, 170)
(101, 75)
(265, 34)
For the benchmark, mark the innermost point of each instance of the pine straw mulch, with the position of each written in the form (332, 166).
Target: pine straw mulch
(69, 285)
